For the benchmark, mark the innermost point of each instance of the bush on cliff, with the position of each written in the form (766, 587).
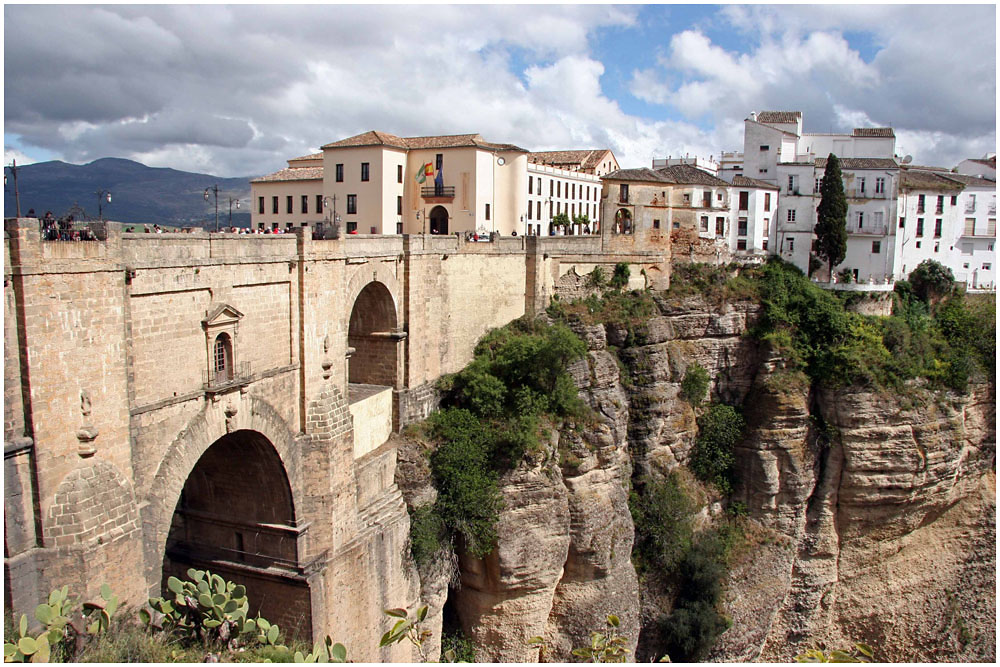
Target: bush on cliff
(491, 416)
(712, 458)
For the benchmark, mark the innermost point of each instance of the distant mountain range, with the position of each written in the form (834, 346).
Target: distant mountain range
(139, 194)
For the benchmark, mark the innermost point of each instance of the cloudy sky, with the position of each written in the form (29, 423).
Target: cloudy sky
(235, 90)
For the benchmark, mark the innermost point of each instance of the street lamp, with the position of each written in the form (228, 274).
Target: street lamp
(102, 196)
(231, 201)
(17, 195)
(335, 219)
(215, 189)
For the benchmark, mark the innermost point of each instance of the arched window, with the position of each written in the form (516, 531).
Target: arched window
(222, 358)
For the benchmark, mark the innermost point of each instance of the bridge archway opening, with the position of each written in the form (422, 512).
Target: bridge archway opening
(235, 517)
(439, 220)
(373, 335)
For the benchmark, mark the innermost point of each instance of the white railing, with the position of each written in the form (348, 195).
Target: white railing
(873, 228)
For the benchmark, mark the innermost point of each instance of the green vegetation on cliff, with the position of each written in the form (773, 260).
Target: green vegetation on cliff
(492, 415)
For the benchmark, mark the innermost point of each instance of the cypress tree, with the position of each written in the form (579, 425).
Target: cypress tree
(831, 223)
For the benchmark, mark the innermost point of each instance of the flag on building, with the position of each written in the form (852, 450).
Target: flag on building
(420, 174)
(428, 169)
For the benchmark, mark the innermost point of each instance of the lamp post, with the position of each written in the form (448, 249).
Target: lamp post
(17, 195)
(102, 196)
(332, 217)
(215, 189)
(231, 201)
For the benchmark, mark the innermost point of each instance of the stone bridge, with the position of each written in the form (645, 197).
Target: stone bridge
(224, 402)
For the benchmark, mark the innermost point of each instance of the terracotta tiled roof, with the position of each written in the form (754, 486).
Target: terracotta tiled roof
(917, 179)
(744, 182)
(991, 162)
(584, 159)
(295, 174)
(314, 156)
(687, 174)
(861, 163)
(778, 116)
(644, 174)
(372, 138)
(874, 132)
(973, 181)
(375, 138)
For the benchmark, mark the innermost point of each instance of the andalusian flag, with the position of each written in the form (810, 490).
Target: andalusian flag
(424, 171)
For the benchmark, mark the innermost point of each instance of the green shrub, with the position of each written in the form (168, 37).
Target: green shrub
(662, 513)
(691, 630)
(456, 647)
(428, 534)
(694, 386)
(619, 279)
(712, 459)
(931, 280)
(596, 278)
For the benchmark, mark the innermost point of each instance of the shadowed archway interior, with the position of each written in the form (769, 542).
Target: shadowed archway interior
(371, 334)
(236, 518)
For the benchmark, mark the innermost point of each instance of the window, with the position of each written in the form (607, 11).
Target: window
(573, 191)
(623, 192)
(352, 204)
(741, 244)
(222, 358)
(399, 173)
(919, 244)
(539, 185)
(720, 226)
(937, 247)
(765, 147)
(763, 171)
(588, 193)
(954, 200)
(399, 205)
(920, 204)
(861, 220)
(861, 185)
(940, 205)
(879, 186)
(764, 244)
(744, 200)
(439, 161)
(352, 226)
(965, 266)
(920, 226)
(718, 196)
(260, 205)
(819, 184)
(741, 227)
(552, 188)
(704, 223)
(399, 228)
(878, 215)
(530, 181)
(288, 204)
(902, 222)
(791, 245)
(538, 210)
(487, 211)
(791, 183)
(876, 247)
(340, 173)
(530, 209)
(970, 226)
(319, 203)
(767, 201)
(559, 189)
(656, 223)
(791, 215)
(987, 266)
(364, 171)
(937, 228)
(274, 205)
(572, 211)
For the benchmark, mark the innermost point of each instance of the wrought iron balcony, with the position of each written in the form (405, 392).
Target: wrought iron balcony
(438, 191)
(227, 378)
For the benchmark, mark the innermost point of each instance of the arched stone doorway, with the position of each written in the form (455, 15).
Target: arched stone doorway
(439, 220)
(623, 221)
(373, 335)
(235, 517)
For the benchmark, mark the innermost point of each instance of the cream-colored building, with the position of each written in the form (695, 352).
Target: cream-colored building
(289, 197)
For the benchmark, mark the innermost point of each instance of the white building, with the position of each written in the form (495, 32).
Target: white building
(753, 209)
(984, 167)
(708, 165)
(973, 257)
(566, 182)
(777, 151)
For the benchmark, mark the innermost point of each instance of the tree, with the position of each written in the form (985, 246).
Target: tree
(560, 220)
(931, 281)
(831, 225)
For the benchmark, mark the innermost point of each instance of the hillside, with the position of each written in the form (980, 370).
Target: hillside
(140, 194)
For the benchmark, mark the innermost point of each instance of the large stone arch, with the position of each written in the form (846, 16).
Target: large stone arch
(374, 327)
(370, 272)
(233, 412)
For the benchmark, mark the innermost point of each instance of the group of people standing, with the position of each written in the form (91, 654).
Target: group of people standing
(62, 229)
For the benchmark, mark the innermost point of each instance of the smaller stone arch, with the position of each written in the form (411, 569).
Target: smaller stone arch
(623, 222)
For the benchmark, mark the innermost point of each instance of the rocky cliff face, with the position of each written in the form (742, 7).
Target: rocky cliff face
(873, 516)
